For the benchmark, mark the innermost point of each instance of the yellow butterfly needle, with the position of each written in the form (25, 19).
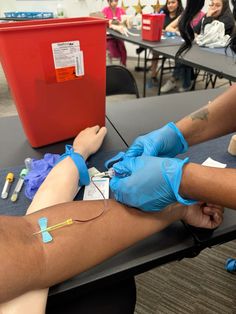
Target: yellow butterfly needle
(57, 226)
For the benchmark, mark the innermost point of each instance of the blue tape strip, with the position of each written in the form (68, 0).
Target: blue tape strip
(43, 223)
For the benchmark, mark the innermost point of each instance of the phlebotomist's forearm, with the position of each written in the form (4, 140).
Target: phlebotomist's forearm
(212, 185)
(217, 118)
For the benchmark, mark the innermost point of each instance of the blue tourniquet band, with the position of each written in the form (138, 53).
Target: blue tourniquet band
(80, 164)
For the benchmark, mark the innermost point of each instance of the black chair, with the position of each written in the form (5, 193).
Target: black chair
(120, 80)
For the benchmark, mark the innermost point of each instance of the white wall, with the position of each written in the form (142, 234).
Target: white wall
(73, 8)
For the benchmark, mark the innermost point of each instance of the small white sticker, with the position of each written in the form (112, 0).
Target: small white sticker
(79, 64)
(145, 21)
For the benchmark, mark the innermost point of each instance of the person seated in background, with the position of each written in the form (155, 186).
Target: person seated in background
(172, 9)
(182, 73)
(116, 47)
(218, 10)
(99, 230)
(174, 27)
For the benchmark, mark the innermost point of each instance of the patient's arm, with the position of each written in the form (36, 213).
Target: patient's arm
(60, 186)
(28, 264)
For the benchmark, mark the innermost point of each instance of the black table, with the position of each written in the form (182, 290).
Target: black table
(173, 243)
(207, 60)
(137, 40)
(133, 118)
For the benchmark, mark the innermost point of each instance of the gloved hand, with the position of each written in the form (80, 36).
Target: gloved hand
(151, 183)
(165, 142)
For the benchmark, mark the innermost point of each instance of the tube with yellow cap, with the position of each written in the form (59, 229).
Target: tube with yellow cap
(6, 188)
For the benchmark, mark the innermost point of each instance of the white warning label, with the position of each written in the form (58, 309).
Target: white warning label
(68, 60)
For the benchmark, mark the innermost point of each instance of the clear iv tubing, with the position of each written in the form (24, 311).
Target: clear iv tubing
(109, 173)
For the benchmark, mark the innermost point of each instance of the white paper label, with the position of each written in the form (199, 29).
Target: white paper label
(91, 191)
(64, 53)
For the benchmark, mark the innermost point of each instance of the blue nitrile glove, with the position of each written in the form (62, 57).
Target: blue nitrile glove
(39, 169)
(230, 265)
(151, 183)
(165, 142)
(110, 162)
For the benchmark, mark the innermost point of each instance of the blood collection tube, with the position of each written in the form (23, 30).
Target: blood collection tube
(6, 187)
(19, 185)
